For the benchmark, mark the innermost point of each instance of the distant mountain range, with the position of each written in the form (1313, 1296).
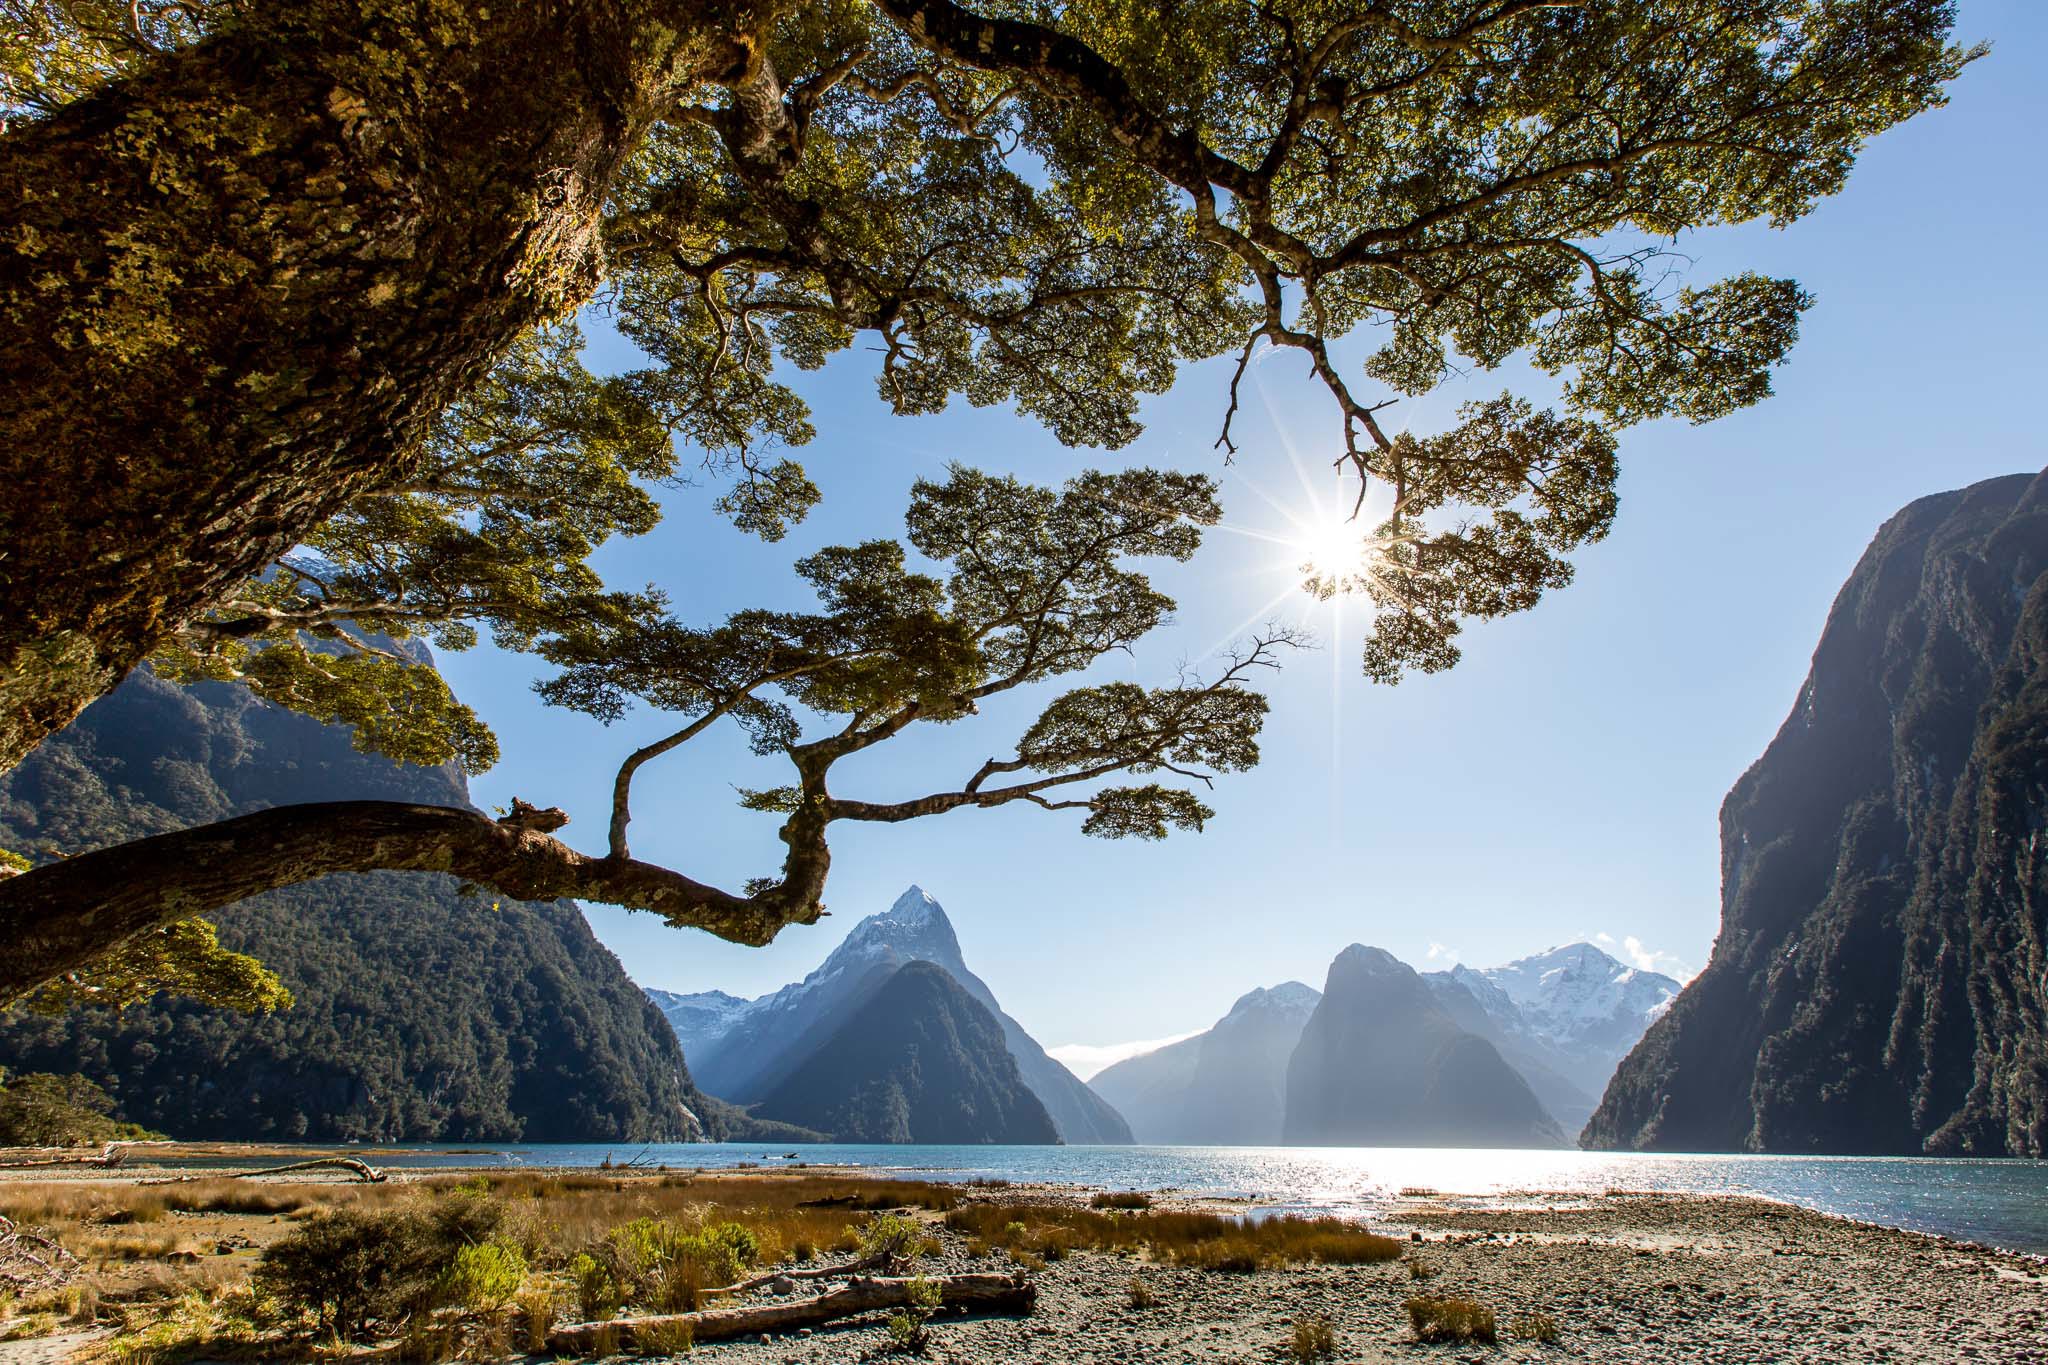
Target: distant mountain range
(1562, 1018)
(751, 1052)
(1382, 1064)
(1556, 1022)
(1878, 983)
(1224, 1086)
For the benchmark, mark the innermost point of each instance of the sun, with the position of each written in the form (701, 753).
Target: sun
(1328, 550)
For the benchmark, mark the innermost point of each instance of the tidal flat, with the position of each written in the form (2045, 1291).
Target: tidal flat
(165, 1273)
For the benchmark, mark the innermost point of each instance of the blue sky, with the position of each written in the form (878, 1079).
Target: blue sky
(1562, 782)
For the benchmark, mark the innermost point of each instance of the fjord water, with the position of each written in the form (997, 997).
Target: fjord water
(2003, 1203)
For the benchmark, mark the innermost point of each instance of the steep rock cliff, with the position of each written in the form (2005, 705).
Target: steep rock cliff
(1880, 984)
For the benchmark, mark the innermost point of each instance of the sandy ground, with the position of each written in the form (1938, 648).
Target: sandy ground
(1629, 1280)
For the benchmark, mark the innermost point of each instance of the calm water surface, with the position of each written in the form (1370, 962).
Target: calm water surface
(2003, 1203)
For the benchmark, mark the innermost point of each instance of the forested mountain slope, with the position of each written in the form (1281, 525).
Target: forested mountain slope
(420, 1012)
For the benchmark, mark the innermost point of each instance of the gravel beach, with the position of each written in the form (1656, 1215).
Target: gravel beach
(1629, 1280)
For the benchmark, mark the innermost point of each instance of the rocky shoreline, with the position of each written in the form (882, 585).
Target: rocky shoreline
(1628, 1279)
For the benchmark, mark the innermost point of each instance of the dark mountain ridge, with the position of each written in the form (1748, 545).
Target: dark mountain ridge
(421, 1013)
(1880, 983)
(1382, 1064)
(745, 1050)
(919, 1059)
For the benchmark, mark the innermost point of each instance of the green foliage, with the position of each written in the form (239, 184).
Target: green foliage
(1449, 1319)
(1055, 218)
(182, 959)
(395, 707)
(483, 1277)
(599, 1292)
(889, 1234)
(42, 1110)
(665, 1263)
(1034, 583)
(56, 51)
(909, 1330)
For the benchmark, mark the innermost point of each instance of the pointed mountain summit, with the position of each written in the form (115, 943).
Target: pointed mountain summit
(1382, 1064)
(746, 1054)
(1224, 1086)
(919, 1060)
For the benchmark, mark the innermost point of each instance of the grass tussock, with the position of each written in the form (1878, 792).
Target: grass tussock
(1206, 1240)
(1539, 1327)
(1448, 1319)
(1140, 1293)
(1313, 1339)
(1121, 1199)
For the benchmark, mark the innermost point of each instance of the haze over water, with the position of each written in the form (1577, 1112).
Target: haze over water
(2002, 1203)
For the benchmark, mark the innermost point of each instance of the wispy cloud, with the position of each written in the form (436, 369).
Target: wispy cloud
(1087, 1059)
(1643, 957)
(1651, 960)
(1439, 952)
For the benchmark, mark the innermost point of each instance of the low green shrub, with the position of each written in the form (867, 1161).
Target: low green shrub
(888, 1234)
(482, 1278)
(1448, 1319)
(666, 1263)
(351, 1269)
(909, 1329)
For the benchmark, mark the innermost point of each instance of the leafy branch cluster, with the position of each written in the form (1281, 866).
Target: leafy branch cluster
(1036, 586)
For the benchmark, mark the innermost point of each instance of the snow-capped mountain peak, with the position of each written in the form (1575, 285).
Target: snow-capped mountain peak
(1574, 992)
(914, 928)
(1286, 995)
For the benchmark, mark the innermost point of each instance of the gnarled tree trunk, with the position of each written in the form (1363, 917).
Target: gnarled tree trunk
(60, 917)
(235, 286)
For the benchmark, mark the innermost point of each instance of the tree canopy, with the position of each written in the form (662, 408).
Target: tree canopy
(295, 381)
(1036, 584)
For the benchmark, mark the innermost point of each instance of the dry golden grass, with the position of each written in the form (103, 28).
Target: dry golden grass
(1121, 1199)
(1208, 1240)
(1313, 1339)
(169, 1264)
(1448, 1319)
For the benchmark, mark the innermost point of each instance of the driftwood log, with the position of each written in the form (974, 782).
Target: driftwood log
(111, 1155)
(986, 1293)
(362, 1170)
(30, 1260)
